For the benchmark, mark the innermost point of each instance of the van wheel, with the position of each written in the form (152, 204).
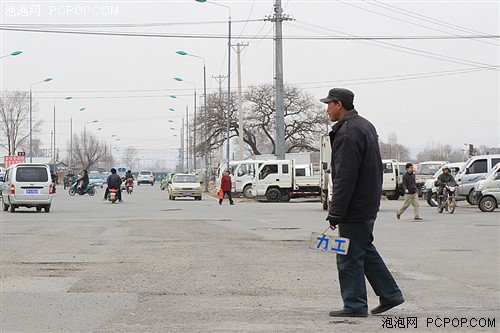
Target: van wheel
(12, 208)
(470, 197)
(285, 196)
(487, 204)
(38, 208)
(273, 195)
(47, 208)
(247, 192)
(5, 207)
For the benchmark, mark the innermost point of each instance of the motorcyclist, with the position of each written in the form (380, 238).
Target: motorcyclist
(443, 179)
(53, 176)
(83, 182)
(114, 181)
(128, 175)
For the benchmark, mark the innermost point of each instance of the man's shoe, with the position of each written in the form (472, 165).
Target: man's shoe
(232, 203)
(120, 200)
(398, 215)
(417, 219)
(347, 313)
(387, 306)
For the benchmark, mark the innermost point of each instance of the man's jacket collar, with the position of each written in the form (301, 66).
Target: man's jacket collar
(350, 114)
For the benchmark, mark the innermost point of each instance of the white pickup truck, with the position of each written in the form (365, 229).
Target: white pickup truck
(281, 180)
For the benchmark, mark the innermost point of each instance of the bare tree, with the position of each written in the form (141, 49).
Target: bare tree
(87, 150)
(305, 121)
(393, 150)
(14, 124)
(440, 152)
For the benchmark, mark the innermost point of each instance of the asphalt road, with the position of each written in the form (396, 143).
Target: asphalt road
(153, 265)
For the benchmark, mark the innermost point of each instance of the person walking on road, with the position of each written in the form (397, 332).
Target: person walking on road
(226, 187)
(356, 171)
(411, 193)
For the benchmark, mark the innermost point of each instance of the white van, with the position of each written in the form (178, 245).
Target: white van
(27, 185)
(487, 191)
(474, 170)
(242, 175)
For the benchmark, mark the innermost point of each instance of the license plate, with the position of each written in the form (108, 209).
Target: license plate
(186, 194)
(30, 191)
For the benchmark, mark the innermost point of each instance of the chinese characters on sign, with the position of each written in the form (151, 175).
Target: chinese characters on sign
(9, 160)
(329, 243)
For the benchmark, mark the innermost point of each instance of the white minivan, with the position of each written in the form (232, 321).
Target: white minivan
(475, 168)
(487, 191)
(27, 185)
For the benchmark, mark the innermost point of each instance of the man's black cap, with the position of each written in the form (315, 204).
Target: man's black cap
(339, 94)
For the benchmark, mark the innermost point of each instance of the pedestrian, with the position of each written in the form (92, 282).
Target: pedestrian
(356, 171)
(53, 177)
(411, 193)
(226, 187)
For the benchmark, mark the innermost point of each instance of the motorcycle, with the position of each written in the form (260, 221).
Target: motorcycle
(129, 185)
(447, 200)
(113, 195)
(89, 189)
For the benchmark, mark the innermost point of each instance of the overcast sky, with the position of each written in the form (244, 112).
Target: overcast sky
(442, 89)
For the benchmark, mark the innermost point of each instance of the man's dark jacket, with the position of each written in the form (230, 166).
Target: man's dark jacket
(356, 169)
(114, 181)
(409, 183)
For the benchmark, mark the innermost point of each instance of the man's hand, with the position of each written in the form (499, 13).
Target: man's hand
(334, 220)
(406, 191)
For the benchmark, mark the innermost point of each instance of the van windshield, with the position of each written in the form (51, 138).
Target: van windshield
(428, 169)
(32, 174)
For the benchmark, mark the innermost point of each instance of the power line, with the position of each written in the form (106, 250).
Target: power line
(246, 37)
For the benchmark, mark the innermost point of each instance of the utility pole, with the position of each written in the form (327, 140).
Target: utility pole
(240, 102)
(182, 147)
(278, 18)
(219, 79)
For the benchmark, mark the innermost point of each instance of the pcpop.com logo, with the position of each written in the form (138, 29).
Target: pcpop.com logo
(83, 10)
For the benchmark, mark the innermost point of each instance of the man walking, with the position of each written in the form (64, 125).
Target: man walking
(356, 170)
(411, 193)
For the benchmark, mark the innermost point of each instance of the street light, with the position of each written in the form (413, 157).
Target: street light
(228, 74)
(194, 119)
(187, 130)
(31, 114)
(13, 54)
(71, 137)
(54, 154)
(183, 53)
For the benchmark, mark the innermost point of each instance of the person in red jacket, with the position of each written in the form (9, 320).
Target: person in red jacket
(226, 186)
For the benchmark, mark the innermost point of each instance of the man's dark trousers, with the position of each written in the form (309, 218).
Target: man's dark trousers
(363, 259)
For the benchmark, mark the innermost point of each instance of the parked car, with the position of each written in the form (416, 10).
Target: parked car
(95, 178)
(487, 191)
(145, 177)
(184, 185)
(27, 185)
(166, 180)
(473, 171)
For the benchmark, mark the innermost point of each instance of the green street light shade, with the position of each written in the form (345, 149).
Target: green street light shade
(181, 52)
(170, 121)
(201, 0)
(95, 121)
(47, 79)
(100, 128)
(69, 97)
(173, 96)
(16, 53)
(171, 109)
(173, 129)
(178, 79)
(82, 109)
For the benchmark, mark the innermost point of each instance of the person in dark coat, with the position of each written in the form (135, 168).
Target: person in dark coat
(356, 171)
(411, 193)
(114, 181)
(226, 186)
(84, 181)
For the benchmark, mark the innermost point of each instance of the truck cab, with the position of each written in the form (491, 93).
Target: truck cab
(391, 186)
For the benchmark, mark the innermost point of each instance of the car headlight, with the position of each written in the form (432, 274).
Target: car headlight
(478, 187)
